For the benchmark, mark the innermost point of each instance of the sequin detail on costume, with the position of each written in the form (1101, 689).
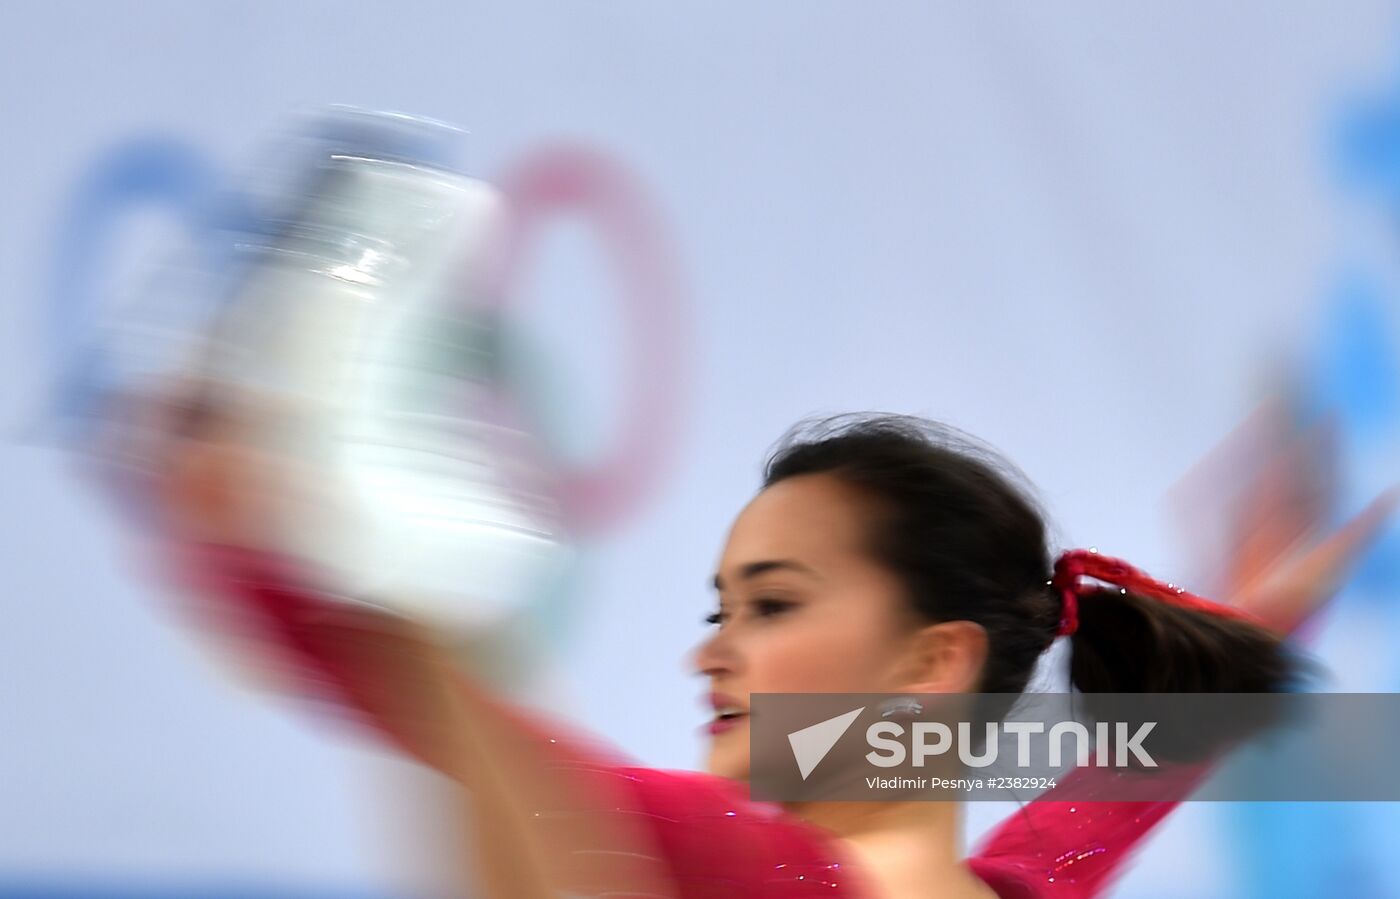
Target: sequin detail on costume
(701, 833)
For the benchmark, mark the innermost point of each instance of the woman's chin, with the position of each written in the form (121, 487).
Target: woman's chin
(722, 762)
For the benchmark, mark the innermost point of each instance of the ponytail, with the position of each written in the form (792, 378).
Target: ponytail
(959, 527)
(1140, 635)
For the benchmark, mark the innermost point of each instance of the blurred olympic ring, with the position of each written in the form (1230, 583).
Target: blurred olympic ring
(167, 174)
(562, 179)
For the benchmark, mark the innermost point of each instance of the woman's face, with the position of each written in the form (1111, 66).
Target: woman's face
(803, 608)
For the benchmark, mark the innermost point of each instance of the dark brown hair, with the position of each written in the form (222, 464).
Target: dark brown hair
(959, 527)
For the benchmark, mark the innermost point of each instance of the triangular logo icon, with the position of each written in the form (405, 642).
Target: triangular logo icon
(811, 744)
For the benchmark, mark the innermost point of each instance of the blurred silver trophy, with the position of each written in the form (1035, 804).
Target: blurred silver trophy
(362, 321)
(359, 333)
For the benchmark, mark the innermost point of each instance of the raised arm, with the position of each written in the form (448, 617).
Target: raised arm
(1058, 849)
(548, 813)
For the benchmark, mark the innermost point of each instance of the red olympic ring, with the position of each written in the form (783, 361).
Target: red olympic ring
(562, 179)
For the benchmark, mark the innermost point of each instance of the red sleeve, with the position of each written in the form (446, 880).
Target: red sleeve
(721, 844)
(1061, 849)
(712, 840)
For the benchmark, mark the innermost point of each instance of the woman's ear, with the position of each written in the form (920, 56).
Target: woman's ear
(947, 657)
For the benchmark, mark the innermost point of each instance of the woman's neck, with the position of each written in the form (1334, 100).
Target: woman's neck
(905, 849)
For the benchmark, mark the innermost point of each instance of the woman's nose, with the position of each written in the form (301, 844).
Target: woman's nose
(715, 656)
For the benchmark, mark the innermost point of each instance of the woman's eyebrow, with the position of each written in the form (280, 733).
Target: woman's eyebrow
(754, 569)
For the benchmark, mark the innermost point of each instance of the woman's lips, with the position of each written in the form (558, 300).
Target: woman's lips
(727, 723)
(729, 712)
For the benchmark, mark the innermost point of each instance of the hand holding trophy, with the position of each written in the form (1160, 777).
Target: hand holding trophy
(341, 409)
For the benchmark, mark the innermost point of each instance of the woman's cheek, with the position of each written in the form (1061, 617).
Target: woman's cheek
(808, 659)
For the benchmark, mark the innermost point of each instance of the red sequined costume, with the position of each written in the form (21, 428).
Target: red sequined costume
(712, 839)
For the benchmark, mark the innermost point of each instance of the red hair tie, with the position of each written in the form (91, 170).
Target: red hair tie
(1076, 564)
